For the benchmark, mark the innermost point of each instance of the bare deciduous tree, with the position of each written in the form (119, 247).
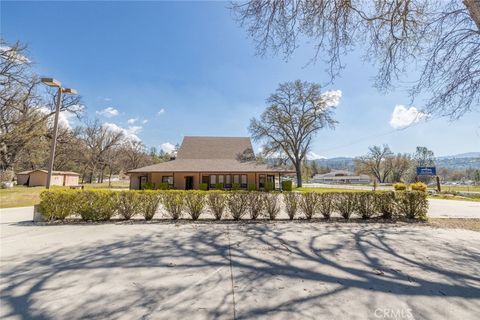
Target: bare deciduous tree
(133, 155)
(400, 164)
(99, 141)
(441, 38)
(377, 163)
(424, 157)
(24, 113)
(296, 112)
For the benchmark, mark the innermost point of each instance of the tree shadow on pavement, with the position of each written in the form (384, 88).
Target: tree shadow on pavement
(169, 271)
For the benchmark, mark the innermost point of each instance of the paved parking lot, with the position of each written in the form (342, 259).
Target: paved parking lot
(237, 271)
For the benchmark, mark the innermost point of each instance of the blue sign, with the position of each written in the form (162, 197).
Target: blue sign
(426, 171)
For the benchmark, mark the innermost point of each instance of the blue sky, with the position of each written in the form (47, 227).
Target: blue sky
(187, 68)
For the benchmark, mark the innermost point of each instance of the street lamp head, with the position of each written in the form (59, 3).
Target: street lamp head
(51, 82)
(69, 91)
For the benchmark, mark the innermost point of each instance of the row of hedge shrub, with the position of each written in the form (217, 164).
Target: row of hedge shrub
(101, 205)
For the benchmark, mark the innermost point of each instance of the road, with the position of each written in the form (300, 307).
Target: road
(440, 208)
(234, 270)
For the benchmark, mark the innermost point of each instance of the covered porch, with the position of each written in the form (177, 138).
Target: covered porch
(192, 180)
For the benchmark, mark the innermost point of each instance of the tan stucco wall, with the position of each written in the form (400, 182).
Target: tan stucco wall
(71, 180)
(134, 181)
(22, 179)
(38, 178)
(179, 178)
(57, 180)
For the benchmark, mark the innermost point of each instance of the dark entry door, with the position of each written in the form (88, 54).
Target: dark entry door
(206, 180)
(188, 183)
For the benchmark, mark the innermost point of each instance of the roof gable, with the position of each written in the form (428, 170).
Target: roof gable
(215, 148)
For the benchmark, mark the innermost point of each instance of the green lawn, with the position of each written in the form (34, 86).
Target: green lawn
(322, 190)
(461, 188)
(104, 185)
(448, 197)
(21, 196)
(445, 197)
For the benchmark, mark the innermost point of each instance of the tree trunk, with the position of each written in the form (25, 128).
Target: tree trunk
(110, 177)
(298, 169)
(473, 7)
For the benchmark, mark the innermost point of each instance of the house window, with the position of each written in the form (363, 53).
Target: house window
(221, 179)
(228, 181)
(168, 179)
(213, 180)
(236, 178)
(244, 181)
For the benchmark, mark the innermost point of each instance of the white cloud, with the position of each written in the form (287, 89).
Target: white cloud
(167, 147)
(107, 99)
(132, 120)
(11, 54)
(64, 117)
(332, 98)
(314, 156)
(403, 117)
(162, 111)
(129, 132)
(108, 112)
(144, 121)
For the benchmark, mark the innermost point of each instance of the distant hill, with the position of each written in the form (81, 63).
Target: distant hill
(462, 155)
(458, 161)
(336, 163)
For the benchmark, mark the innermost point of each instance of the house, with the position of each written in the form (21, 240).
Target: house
(210, 160)
(341, 177)
(34, 178)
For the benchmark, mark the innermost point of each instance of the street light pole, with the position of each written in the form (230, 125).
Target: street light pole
(54, 137)
(54, 83)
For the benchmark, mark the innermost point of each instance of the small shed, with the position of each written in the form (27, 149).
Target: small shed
(34, 178)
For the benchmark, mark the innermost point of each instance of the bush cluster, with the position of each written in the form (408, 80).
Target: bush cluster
(217, 202)
(287, 185)
(291, 200)
(419, 186)
(399, 186)
(102, 205)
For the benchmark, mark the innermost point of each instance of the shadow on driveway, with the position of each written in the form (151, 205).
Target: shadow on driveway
(215, 271)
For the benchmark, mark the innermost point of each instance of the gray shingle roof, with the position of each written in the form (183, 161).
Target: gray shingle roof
(213, 147)
(212, 154)
(68, 173)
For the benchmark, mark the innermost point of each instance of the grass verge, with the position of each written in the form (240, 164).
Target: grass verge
(22, 196)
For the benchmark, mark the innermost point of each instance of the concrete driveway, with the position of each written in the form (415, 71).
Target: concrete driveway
(237, 271)
(440, 208)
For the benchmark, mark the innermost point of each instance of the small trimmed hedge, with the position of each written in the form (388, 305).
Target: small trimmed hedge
(412, 204)
(418, 186)
(287, 185)
(400, 186)
(102, 205)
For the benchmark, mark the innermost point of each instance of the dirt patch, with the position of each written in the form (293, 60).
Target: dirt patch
(468, 224)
